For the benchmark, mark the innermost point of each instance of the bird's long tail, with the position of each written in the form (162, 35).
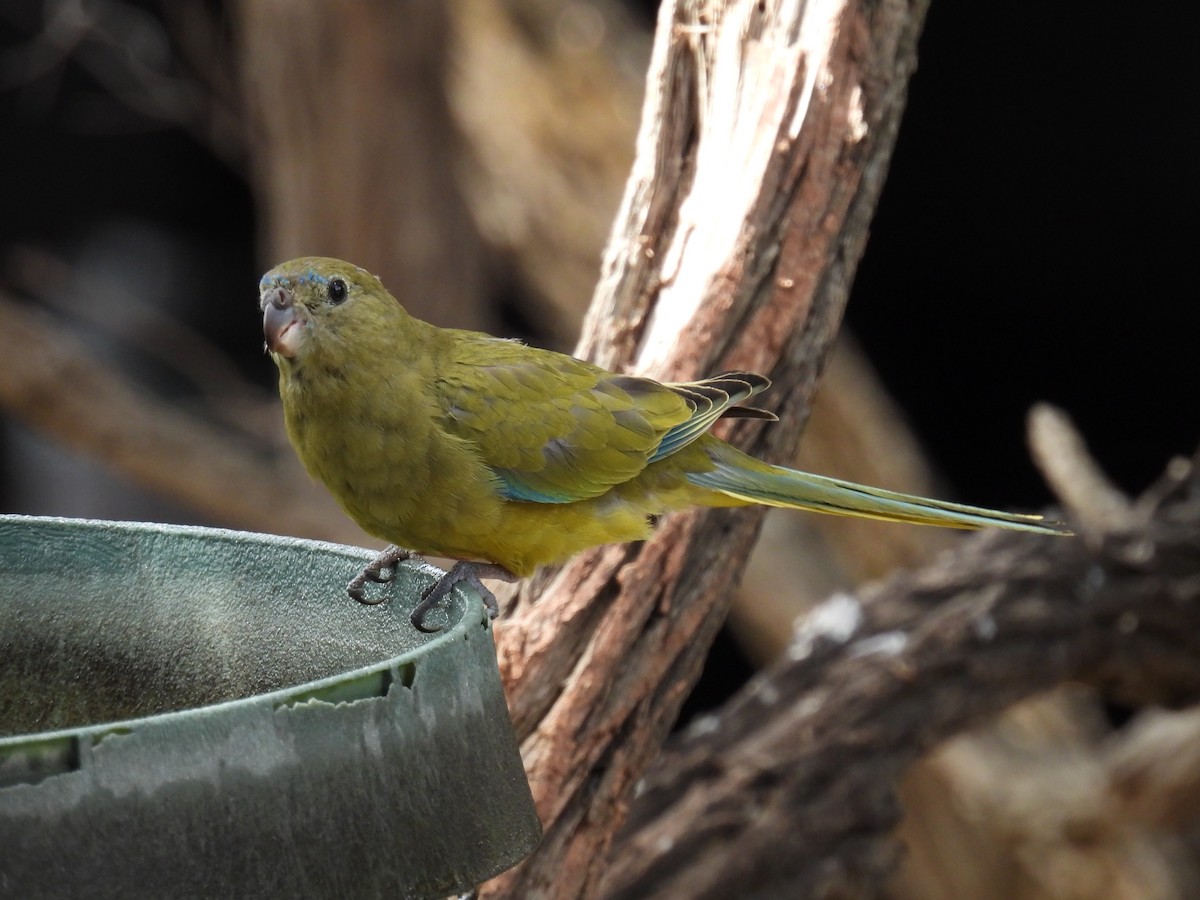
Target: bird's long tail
(741, 477)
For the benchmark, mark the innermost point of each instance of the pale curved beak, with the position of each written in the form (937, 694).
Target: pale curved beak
(281, 324)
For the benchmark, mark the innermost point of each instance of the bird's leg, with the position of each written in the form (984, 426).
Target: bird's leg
(462, 572)
(380, 570)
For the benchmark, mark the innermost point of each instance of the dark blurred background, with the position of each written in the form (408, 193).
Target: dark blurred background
(1033, 241)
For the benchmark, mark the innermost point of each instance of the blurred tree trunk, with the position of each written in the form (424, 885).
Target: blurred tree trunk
(355, 152)
(547, 96)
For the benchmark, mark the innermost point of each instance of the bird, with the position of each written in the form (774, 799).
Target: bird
(508, 457)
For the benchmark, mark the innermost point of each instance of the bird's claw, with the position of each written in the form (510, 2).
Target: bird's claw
(381, 570)
(462, 572)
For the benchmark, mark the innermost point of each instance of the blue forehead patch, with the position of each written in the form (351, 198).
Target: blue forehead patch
(309, 276)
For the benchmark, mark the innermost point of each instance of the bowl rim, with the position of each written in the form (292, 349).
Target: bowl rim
(473, 615)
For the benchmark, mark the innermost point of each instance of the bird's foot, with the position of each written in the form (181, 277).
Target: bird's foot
(380, 570)
(462, 572)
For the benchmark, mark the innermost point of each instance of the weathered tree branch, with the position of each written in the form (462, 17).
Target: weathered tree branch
(765, 139)
(790, 790)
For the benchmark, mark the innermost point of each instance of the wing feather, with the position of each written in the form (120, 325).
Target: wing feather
(554, 429)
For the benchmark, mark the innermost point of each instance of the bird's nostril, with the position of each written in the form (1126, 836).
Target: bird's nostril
(281, 298)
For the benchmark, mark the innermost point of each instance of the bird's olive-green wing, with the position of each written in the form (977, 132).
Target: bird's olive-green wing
(555, 429)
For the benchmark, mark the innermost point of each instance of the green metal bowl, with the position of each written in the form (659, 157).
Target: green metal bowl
(198, 712)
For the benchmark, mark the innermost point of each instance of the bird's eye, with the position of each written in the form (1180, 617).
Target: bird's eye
(337, 291)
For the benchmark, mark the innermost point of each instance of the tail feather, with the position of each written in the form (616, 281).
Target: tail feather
(744, 478)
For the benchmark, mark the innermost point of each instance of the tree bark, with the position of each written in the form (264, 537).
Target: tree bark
(765, 139)
(791, 789)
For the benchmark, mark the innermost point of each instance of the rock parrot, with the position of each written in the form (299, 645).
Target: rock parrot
(507, 457)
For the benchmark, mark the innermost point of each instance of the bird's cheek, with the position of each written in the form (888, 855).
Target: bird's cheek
(283, 330)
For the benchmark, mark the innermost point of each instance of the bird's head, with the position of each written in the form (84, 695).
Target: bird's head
(315, 305)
